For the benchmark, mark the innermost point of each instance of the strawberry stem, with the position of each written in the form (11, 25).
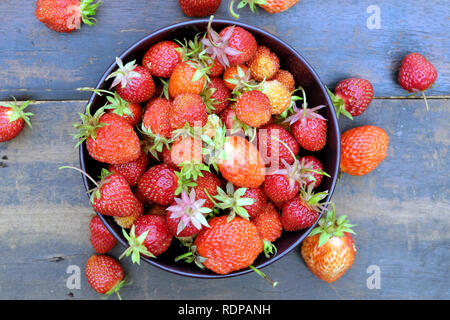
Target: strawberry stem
(264, 276)
(231, 10)
(79, 170)
(425, 99)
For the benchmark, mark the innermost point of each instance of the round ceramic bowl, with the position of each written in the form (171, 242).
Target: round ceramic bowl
(304, 75)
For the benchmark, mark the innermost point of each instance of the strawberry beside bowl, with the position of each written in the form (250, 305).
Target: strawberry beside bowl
(304, 76)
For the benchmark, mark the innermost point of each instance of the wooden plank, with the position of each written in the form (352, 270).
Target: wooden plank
(333, 36)
(400, 210)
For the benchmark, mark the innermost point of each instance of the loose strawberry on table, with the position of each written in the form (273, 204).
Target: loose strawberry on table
(199, 8)
(271, 6)
(101, 239)
(13, 119)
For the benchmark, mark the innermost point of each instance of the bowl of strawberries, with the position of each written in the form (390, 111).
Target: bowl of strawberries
(210, 148)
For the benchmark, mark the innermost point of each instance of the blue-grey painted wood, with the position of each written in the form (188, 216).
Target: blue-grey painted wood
(400, 209)
(333, 35)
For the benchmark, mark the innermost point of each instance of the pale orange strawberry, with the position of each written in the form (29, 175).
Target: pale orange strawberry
(187, 77)
(253, 108)
(286, 78)
(278, 94)
(264, 65)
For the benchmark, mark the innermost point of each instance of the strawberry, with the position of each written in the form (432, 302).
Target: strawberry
(232, 46)
(216, 69)
(157, 210)
(199, 8)
(187, 151)
(66, 15)
(269, 227)
(329, 250)
(109, 138)
(302, 212)
(158, 184)
(186, 216)
(308, 127)
(149, 236)
(264, 65)
(286, 78)
(136, 82)
(311, 165)
(167, 158)
(188, 108)
(162, 58)
(280, 187)
(244, 202)
(352, 97)
(13, 119)
(228, 246)
(216, 96)
(187, 77)
(131, 171)
(253, 108)
(105, 275)
(206, 187)
(363, 149)
(417, 74)
(271, 6)
(101, 239)
(236, 77)
(270, 147)
(278, 94)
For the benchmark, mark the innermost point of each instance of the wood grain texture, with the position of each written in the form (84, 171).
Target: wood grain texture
(39, 63)
(400, 209)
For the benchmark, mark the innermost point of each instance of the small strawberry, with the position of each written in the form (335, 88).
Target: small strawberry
(228, 245)
(187, 77)
(286, 78)
(109, 138)
(312, 166)
(264, 65)
(271, 6)
(199, 8)
(216, 69)
(269, 227)
(167, 158)
(216, 96)
(105, 275)
(133, 83)
(149, 236)
(186, 216)
(101, 239)
(253, 108)
(308, 127)
(158, 185)
(280, 187)
(188, 108)
(186, 150)
(206, 187)
(66, 15)
(363, 149)
(13, 119)
(352, 97)
(235, 126)
(131, 171)
(278, 94)
(236, 77)
(329, 250)
(270, 147)
(417, 74)
(162, 58)
(302, 212)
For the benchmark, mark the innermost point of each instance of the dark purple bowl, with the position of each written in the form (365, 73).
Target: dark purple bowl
(304, 75)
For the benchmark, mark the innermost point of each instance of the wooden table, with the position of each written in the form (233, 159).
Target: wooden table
(401, 208)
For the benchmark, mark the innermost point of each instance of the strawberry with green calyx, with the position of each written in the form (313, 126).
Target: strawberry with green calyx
(13, 119)
(329, 250)
(192, 256)
(132, 82)
(237, 77)
(136, 246)
(216, 96)
(311, 170)
(186, 216)
(209, 129)
(252, 4)
(269, 227)
(234, 201)
(193, 50)
(290, 111)
(235, 126)
(188, 77)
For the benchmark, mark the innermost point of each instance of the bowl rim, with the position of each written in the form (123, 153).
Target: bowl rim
(316, 77)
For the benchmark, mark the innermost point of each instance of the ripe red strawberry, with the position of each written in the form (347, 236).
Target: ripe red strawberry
(264, 64)
(216, 96)
(186, 150)
(101, 239)
(228, 245)
(270, 147)
(232, 46)
(188, 108)
(352, 97)
(167, 158)
(417, 74)
(329, 250)
(186, 216)
(199, 8)
(66, 15)
(132, 82)
(149, 236)
(280, 187)
(187, 77)
(216, 68)
(105, 275)
(269, 227)
(13, 119)
(309, 128)
(302, 212)
(312, 165)
(109, 138)
(131, 171)
(207, 185)
(162, 58)
(286, 78)
(158, 185)
(236, 77)
(253, 108)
